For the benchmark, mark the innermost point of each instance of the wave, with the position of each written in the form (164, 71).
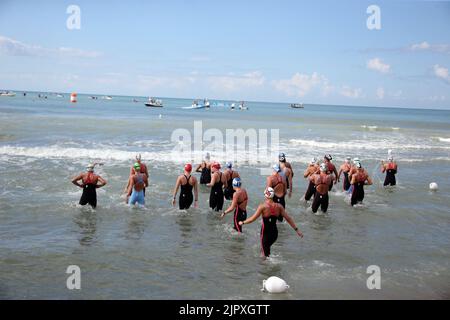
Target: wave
(376, 128)
(440, 139)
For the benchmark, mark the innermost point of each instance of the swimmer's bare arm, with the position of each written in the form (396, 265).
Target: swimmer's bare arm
(130, 188)
(199, 168)
(102, 182)
(369, 181)
(383, 168)
(336, 180)
(253, 217)
(232, 206)
(306, 174)
(291, 222)
(175, 190)
(213, 180)
(290, 183)
(76, 179)
(340, 172)
(268, 182)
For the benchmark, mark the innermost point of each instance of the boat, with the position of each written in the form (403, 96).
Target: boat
(154, 103)
(297, 105)
(242, 106)
(196, 105)
(107, 98)
(7, 94)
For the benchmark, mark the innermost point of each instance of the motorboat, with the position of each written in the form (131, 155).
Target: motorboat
(297, 105)
(7, 94)
(154, 103)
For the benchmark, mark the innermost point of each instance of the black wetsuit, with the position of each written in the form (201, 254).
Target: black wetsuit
(358, 190)
(390, 177)
(269, 232)
(331, 169)
(186, 196)
(205, 176)
(346, 184)
(320, 199)
(229, 191)
(89, 195)
(216, 196)
(310, 191)
(239, 215)
(279, 200)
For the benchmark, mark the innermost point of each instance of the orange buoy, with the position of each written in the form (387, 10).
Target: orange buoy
(73, 97)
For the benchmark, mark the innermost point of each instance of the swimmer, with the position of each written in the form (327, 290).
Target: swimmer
(278, 183)
(136, 186)
(89, 184)
(270, 213)
(312, 168)
(187, 182)
(283, 163)
(133, 171)
(322, 182)
(238, 205)
(229, 175)
(331, 168)
(205, 169)
(359, 179)
(286, 172)
(391, 170)
(345, 169)
(217, 182)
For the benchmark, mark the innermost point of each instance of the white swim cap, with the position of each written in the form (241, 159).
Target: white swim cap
(390, 158)
(276, 167)
(138, 157)
(90, 167)
(355, 160)
(348, 159)
(313, 160)
(269, 193)
(323, 167)
(358, 165)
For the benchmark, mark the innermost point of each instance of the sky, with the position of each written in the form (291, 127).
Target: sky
(319, 52)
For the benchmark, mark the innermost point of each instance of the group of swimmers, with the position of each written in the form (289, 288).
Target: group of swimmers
(228, 185)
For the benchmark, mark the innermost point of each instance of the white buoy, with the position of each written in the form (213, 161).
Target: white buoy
(434, 186)
(275, 285)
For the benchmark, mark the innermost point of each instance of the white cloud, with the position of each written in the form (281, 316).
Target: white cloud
(380, 93)
(441, 72)
(301, 84)
(378, 65)
(349, 92)
(11, 47)
(425, 46)
(233, 82)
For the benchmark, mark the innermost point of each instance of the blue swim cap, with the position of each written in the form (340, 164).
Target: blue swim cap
(282, 157)
(229, 165)
(276, 167)
(237, 182)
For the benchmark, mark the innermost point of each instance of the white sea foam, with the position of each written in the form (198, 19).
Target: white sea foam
(443, 139)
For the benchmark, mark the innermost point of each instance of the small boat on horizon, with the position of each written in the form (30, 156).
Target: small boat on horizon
(297, 105)
(107, 98)
(154, 103)
(197, 105)
(242, 106)
(7, 94)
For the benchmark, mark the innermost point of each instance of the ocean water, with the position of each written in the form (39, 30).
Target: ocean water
(159, 252)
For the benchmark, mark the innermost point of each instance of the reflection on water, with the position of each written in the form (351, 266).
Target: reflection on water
(137, 222)
(87, 221)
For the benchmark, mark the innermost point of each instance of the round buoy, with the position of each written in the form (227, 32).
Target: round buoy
(73, 97)
(434, 186)
(275, 285)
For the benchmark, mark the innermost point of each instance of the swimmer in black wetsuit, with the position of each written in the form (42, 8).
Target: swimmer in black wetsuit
(278, 183)
(270, 212)
(322, 183)
(217, 182)
(239, 204)
(345, 169)
(287, 171)
(391, 170)
(187, 182)
(312, 168)
(229, 174)
(205, 169)
(359, 179)
(331, 169)
(89, 184)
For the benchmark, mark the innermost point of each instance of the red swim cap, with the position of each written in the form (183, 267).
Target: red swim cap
(216, 166)
(188, 167)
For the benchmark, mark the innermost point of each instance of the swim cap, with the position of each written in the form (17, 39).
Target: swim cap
(237, 182)
(348, 159)
(216, 166)
(276, 167)
(188, 167)
(282, 157)
(269, 193)
(313, 160)
(229, 165)
(391, 158)
(328, 157)
(355, 160)
(207, 157)
(358, 165)
(90, 167)
(138, 157)
(137, 166)
(323, 167)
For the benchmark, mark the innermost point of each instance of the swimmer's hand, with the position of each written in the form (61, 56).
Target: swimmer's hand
(300, 234)
(290, 193)
(222, 215)
(173, 202)
(241, 223)
(196, 204)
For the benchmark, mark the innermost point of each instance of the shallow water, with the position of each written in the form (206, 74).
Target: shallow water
(159, 252)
